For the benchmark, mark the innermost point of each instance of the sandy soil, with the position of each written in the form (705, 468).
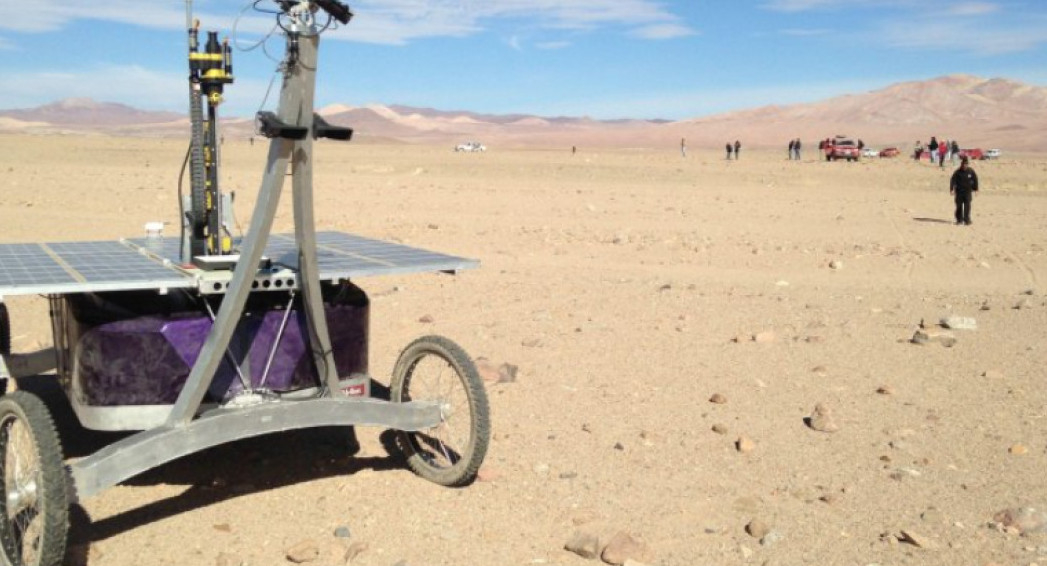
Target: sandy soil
(627, 286)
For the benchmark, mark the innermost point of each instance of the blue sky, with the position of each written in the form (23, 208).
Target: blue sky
(599, 58)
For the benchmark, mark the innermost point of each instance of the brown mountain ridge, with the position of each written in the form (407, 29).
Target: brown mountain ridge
(993, 112)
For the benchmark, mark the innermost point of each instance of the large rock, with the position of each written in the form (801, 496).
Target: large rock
(586, 545)
(931, 335)
(959, 323)
(1023, 519)
(822, 419)
(623, 547)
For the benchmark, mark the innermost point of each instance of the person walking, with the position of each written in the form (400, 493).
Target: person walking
(796, 148)
(729, 149)
(962, 186)
(737, 149)
(792, 149)
(955, 151)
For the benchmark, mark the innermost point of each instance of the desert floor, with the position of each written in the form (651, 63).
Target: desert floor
(628, 287)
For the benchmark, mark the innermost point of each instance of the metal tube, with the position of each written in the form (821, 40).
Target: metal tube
(276, 343)
(228, 354)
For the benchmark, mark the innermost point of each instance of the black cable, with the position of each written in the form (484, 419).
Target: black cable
(181, 206)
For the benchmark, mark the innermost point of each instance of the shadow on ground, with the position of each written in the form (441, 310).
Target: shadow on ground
(218, 474)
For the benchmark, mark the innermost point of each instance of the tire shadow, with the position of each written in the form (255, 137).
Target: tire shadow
(218, 474)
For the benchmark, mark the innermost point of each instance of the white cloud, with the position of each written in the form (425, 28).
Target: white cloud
(662, 31)
(965, 36)
(377, 21)
(553, 45)
(973, 8)
(798, 5)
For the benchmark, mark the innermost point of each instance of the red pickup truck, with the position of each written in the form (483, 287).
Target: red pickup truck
(841, 148)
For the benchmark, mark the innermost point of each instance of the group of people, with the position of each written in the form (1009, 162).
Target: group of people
(794, 149)
(938, 151)
(736, 148)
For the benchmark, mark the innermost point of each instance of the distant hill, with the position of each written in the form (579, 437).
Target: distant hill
(988, 112)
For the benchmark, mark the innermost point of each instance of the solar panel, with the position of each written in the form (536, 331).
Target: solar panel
(78, 267)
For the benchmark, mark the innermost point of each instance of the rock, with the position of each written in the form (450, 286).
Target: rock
(771, 538)
(1023, 519)
(822, 419)
(764, 337)
(993, 374)
(718, 399)
(487, 370)
(820, 370)
(586, 545)
(342, 532)
(720, 428)
(757, 528)
(835, 264)
(1021, 304)
(885, 390)
(223, 528)
(744, 444)
(624, 547)
(931, 334)
(355, 549)
(1018, 450)
(304, 551)
(916, 539)
(1029, 292)
(959, 323)
(507, 373)
(426, 319)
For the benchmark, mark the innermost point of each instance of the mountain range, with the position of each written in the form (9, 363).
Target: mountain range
(993, 112)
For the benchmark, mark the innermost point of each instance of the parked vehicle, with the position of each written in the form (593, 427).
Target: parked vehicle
(890, 152)
(972, 153)
(841, 148)
(870, 152)
(992, 154)
(470, 147)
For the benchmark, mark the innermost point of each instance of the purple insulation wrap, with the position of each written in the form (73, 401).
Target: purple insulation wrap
(144, 359)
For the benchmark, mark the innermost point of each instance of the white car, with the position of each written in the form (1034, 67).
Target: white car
(470, 147)
(992, 154)
(870, 152)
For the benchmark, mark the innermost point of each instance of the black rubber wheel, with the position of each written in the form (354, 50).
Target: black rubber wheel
(34, 507)
(433, 368)
(5, 331)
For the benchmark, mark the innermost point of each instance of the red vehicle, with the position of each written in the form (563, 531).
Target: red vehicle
(841, 148)
(972, 154)
(890, 152)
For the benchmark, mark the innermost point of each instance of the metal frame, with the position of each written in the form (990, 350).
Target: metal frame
(187, 429)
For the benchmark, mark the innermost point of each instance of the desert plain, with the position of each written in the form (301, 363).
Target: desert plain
(674, 323)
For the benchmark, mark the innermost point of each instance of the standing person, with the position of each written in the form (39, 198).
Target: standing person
(962, 186)
(737, 149)
(797, 147)
(683, 147)
(943, 149)
(955, 147)
(918, 150)
(792, 149)
(729, 148)
(933, 147)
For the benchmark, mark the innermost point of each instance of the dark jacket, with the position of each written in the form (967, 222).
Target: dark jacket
(964, 181)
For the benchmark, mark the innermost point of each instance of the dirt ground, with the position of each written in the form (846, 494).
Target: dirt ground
(628, 286)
